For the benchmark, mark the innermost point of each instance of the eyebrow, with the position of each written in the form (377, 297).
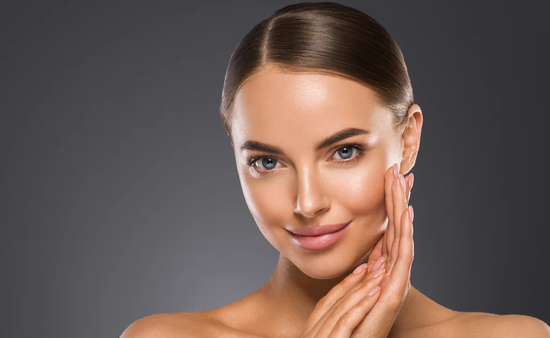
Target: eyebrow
(338, 136)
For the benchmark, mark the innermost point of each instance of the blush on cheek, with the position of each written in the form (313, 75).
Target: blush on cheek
(360, 191)
(261, 211)
(266, 202)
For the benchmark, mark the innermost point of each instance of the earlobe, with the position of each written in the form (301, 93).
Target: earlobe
(411, 138)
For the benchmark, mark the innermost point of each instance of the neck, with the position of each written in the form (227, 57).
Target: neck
(290, 283)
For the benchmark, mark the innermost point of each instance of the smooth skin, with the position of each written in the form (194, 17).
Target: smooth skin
(349, 310)
(315, 293)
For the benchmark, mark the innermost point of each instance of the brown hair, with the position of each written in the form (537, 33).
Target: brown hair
(322, 37)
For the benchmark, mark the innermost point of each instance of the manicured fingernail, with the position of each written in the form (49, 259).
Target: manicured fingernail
(360, 268)
(402, 181)
(373, 290)
(411, 181)
(411, 212)
(378, 263)
(395, 173)
(378, 273)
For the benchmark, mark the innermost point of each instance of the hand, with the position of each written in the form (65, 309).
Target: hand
(345, 305)
(397, 247)
(355, 307)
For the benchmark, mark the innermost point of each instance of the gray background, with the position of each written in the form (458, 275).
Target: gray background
(120, 195)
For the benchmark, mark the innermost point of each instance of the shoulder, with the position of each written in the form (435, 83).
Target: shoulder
(230, 320)
(173, 325)
(488, 325)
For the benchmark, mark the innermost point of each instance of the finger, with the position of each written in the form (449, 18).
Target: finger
(410, 182)
(380, 264)
(371, 279)
(337, 292)
(399, 276)
(366, 278)
(348, 322)
(402, 267)
(388, 180)
(399, 204)
(371, 273)
(327, 323)
(376, 252)
(375, 263)
(407, 191)
(382, 316)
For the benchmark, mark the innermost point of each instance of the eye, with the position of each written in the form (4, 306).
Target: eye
(346, 152)
(264, 163)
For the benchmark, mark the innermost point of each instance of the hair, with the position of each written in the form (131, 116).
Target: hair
(327, 38)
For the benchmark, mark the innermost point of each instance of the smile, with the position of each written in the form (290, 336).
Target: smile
(320, 242)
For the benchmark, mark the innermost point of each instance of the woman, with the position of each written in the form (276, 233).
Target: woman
(318, 107)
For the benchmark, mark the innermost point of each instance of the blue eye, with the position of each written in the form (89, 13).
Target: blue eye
(346, 152)
(268, 163)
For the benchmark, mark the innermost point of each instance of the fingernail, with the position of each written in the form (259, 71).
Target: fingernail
(411, 212)
(395, 173)
(378, 273)
(402, 181)
(373, 290)
(378, 263)
(360, 268)
(411, 181)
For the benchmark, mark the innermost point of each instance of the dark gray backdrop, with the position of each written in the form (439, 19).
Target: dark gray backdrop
(120, 195)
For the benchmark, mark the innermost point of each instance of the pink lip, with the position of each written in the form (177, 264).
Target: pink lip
(320, 237)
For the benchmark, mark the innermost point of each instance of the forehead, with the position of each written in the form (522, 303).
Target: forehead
(280, 107)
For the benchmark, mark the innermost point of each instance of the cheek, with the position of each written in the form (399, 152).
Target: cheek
(360, 190)
(267, 202)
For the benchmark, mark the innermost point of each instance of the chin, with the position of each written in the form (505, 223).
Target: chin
(325, 270)
(330, 264)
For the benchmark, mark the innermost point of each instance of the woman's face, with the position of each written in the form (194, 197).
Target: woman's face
(292, 183)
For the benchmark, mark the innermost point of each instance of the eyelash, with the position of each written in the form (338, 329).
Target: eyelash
(360, 152)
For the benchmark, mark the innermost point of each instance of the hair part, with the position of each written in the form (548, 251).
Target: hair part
(327, 38)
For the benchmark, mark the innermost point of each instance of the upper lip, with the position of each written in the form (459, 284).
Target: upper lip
(318, 230)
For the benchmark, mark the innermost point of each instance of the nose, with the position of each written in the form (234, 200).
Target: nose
(310, 199)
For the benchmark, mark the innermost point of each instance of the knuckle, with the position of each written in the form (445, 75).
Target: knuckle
(323, 302)
(369, 285)
(338, 309)
(337, 304)
(368, 282)
(338, 288)
(355, 288)
(343, 322)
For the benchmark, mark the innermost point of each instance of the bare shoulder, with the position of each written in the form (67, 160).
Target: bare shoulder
(489, 325)
(183, 324)
(480, 325)
(173, 325)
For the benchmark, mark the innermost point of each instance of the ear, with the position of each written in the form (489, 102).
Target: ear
(411, 138)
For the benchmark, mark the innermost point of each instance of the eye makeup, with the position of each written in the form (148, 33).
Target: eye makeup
(360, 150)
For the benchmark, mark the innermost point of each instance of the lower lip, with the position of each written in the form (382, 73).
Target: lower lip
(319, 242)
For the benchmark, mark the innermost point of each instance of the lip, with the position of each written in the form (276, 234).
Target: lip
(320, 237)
